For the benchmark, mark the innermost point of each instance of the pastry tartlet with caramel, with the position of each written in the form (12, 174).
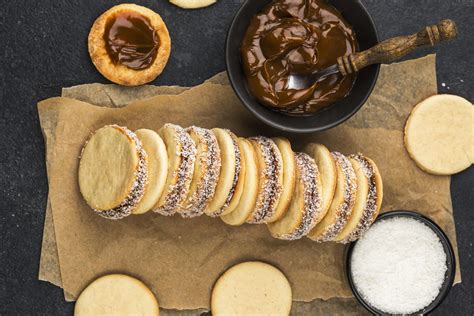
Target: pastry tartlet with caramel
(129, 44)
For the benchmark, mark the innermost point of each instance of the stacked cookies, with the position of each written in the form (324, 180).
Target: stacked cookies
(192, 171)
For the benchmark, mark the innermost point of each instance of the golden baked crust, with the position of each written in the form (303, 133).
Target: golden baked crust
(119, 73)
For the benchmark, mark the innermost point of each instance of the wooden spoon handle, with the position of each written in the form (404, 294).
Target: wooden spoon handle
(392, 49)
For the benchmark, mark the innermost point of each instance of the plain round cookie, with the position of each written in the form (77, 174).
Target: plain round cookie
(439, 134)
(113, 171)
(157, 169)
(119, 73)
(251, 288)
(116, 294)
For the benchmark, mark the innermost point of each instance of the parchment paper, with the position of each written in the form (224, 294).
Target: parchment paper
(90, 246)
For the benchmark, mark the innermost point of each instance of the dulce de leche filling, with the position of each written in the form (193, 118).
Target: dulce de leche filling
(296, 37)
(131, 40)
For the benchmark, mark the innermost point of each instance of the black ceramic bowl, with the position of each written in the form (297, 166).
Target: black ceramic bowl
(356, 14)
(450, 263)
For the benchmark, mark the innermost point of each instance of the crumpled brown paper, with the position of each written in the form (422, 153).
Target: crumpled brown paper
(180, 259)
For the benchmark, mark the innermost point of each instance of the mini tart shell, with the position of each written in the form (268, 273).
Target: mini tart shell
(119, 73)
(206, 172)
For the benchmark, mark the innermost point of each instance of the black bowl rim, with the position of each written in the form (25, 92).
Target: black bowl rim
(280, 126)
(449, 257)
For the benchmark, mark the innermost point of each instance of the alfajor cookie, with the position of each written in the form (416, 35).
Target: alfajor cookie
(368, 199)
(113, 171)
(230, 183)
(251, 288)
(181, 158)
(342, 204)
(206, 172)
(439, 134)
(270, 165)
(304, 211)
(157, 169)
(249, 194)
(327, 173)
(116, 294)
(289, 176)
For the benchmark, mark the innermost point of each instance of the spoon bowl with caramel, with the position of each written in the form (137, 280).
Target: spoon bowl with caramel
(270, 40)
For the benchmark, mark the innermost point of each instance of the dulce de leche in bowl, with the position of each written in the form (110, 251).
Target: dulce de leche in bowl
(296, 37)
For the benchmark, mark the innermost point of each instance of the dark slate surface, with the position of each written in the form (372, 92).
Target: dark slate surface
(43, 48)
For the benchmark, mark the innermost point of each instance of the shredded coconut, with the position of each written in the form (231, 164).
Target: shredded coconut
(399, 265)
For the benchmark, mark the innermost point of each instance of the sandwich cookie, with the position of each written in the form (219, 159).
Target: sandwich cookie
(327, 173)
(251, 288)
(113, 171)
(181, 158)
(249, 194)
(305, 210)
(289, 175)
(116, 294)
(342, 204)
(270, 165)
(206, 172)
(157, 169)
(368, 199)
(230, 183)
